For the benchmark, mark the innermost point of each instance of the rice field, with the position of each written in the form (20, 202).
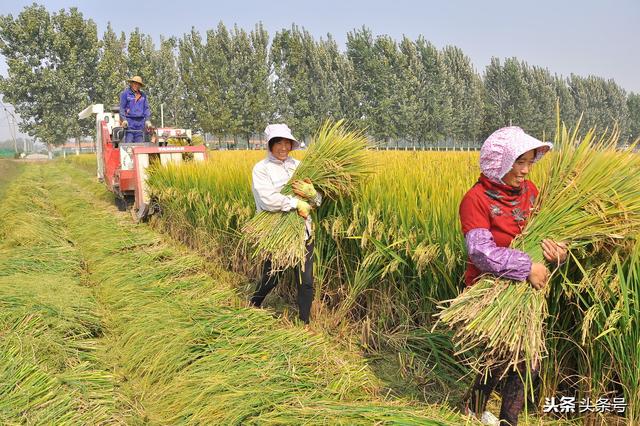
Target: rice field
(107, 322)
(397, 239)
(145, 330)
(386, 257)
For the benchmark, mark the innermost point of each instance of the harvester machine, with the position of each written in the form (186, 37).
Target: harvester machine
(122, 166)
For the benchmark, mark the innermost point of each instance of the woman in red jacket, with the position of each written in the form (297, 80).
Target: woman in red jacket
(493, 212)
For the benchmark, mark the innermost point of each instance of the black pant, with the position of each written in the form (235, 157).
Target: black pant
(512, 392)
(303, 280)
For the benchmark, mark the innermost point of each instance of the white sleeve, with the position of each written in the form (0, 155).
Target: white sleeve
(270, 198)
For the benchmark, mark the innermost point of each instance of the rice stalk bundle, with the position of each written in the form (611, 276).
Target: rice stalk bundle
(590, 198)
(335, 162)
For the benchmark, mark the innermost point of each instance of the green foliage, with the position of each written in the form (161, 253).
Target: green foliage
(204, 69)
(52, 61)
(112, 68)
(464, 89)
(633, 104)
(166, 87)
(310, 80)
(433, 116)
(251, 107)
(226, 80)
(602, 102)
(520, 95)
(232, 82)
(377, 82)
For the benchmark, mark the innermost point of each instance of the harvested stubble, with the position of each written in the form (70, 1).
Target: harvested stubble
(49, 369)
(181, 347)
(589, 199)
(614, 332)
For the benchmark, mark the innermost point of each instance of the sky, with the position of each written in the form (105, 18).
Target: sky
(598, 37)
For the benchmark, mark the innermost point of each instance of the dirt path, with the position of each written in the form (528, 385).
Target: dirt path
(105, 322)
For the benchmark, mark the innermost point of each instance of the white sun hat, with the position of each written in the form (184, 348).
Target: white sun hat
(280, 131)
(504, 146)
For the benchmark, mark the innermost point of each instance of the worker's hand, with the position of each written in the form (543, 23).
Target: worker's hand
(538, 276)
(125, 123)
(147, 124)
(304, 189)
(554, 252)
(304, 209)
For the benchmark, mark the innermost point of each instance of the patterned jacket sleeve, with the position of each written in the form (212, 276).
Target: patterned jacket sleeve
(499, 261)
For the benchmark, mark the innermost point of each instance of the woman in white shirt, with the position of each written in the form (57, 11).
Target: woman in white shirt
(268, 178)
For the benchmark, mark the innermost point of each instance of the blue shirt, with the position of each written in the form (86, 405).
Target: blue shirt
(130, 108)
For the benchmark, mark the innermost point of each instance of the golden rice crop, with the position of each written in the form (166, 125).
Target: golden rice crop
(400, 206)
(386, 257)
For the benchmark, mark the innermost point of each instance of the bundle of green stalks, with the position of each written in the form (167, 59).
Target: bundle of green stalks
(619, 330)
(604, 345)
(589, 199)
(335, 162)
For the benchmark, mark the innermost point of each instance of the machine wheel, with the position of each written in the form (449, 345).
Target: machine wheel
(130, 199)
(121, 203)
(124, 202)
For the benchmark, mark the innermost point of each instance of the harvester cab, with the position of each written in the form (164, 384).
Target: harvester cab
(123, 166)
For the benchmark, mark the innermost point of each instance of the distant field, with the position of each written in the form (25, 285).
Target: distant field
(6, 153)
(8, 170)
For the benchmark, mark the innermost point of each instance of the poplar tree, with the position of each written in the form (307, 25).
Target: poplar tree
(52, 62)
(112, 68)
